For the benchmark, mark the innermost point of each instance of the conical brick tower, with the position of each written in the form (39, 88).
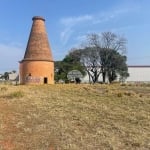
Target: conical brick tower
(37, 66)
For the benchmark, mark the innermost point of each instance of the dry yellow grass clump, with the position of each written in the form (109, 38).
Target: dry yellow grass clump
(74, 117)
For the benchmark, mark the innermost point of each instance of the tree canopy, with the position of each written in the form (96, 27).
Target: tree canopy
(70, 62)
(104, 54)
(101, 55)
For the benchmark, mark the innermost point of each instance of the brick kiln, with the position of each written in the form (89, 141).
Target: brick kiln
(37, 66)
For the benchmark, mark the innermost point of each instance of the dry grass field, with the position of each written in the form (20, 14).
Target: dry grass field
(75, 117)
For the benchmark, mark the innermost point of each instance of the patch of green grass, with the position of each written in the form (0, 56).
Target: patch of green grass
(16, 94)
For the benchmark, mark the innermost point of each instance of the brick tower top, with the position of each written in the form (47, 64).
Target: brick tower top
(38, 47)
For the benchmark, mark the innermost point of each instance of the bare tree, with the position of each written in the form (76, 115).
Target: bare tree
(112, 41)
(97, 54)
(93, 40)
(91, 62)
(90, 58)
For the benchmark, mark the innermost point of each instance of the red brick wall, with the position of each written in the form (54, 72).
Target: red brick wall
(38, 46)
(34, 72)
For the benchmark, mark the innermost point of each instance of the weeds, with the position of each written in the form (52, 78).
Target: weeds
(119, 94)
(16, 94)
(3, 89)
(77, 117)
(129, 93)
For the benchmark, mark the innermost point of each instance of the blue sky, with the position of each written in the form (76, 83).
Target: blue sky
(69, 21)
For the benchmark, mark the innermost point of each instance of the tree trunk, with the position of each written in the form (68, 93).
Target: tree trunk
(89, 77)
(104, 76)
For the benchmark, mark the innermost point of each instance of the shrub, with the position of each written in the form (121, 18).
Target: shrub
(129, 93)
(119, 94)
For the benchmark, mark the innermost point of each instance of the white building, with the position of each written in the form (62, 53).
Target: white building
(139, 74)
(136, 74)
(13, 76)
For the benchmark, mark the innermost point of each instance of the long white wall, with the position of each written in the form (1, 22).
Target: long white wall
(137, 74)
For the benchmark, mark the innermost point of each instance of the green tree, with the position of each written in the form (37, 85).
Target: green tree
(91, 62)
(116, 66)
(6, 75)
(102, 54)
(107, 49)
(70, 62)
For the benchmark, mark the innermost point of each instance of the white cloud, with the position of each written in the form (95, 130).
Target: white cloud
(92, 21)
(117, 12)
(10, 55)
(81, 38)
(71, 21)
(65, 35)
(102, 16)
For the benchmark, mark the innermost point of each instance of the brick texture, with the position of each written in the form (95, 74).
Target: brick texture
(37, 66)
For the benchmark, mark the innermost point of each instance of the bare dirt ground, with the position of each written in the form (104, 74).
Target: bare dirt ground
(75, 117)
